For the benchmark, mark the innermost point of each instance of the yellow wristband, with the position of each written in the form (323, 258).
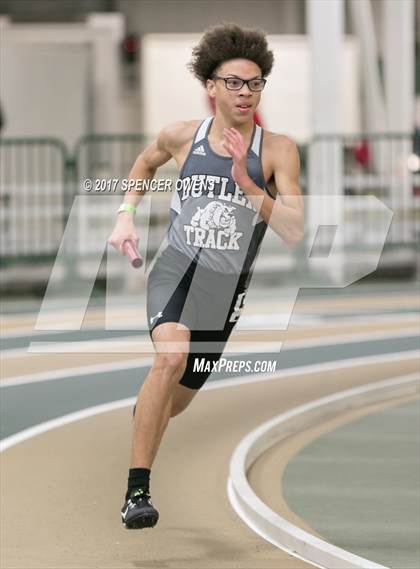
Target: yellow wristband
(127, 207)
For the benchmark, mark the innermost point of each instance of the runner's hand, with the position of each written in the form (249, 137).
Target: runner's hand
(124, 229)
(235, 145)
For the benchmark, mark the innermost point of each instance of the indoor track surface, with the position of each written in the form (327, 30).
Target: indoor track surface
(66, 429)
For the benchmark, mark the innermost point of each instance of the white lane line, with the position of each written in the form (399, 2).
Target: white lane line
(74, 372)
(132, 324)
(146, 362)
(314, 368)
(258, 321)
(143, 344)
(122, 345)
(64, 420)
(250, 319)
(350, 337)
(62, 320)
(267, 523)
(218, 384)
(60, 346)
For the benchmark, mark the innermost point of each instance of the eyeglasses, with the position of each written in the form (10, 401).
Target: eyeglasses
(236, 84)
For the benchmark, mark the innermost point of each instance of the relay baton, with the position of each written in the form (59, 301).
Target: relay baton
(132, 253)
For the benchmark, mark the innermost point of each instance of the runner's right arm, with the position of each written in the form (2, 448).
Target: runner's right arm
(144, 168)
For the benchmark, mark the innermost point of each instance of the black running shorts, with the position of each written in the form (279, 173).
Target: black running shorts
(208, 303)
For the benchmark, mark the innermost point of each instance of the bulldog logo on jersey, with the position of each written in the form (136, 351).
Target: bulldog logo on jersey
(215, 216)
(214, 227)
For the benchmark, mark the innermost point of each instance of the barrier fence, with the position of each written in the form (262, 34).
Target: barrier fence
(383, 165)
(40, 178)
(33, 197)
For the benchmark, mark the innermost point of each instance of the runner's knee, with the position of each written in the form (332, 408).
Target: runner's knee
(171, 365)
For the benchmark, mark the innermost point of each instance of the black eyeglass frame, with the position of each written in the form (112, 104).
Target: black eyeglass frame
(244, 81)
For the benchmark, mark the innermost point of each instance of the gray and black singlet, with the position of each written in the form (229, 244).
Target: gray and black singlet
(201, 278)
(210, 215)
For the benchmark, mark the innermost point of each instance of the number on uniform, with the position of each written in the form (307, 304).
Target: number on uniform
(237, 309)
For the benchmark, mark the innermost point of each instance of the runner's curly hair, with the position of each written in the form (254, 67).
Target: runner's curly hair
(229, 41)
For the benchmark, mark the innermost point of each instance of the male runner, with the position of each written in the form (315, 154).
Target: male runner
(231, 173)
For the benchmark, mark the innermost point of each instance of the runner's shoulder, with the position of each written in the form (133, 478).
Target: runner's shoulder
(279, 142)
(177, 134)
(280, 149)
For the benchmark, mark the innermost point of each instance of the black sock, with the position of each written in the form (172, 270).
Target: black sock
(138, 478)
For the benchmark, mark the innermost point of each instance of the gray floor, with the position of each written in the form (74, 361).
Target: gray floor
(358, 486)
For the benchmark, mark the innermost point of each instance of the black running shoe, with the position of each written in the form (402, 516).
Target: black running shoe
(138, 511)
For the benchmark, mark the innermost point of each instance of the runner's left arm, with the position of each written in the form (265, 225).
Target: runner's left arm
(285, 213)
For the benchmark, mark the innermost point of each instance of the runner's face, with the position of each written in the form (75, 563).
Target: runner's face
(240, 105)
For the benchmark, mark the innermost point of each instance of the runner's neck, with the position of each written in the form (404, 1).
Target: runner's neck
(219, 123)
